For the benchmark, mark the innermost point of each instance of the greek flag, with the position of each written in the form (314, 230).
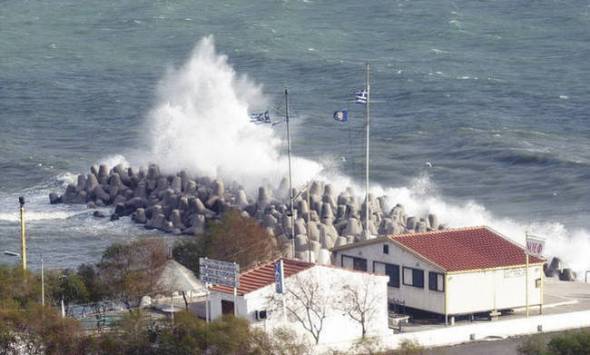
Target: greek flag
(263, 117)
(361, 97)
(341, 116)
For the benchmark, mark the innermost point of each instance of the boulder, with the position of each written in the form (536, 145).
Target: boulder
(103, 174)
(433, 221)
(567, 275)
(81, 185)
(98, 214)
(54, 198)
(139, 216)
(218, 188)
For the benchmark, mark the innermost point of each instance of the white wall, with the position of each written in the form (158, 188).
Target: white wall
(492, 289)
(462, 334)
(337, 326)
(419, 298)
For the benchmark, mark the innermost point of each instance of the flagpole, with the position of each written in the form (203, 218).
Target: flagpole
(290, 178)
(368, 121)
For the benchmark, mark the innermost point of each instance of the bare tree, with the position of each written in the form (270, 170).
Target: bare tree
(360, 302)
(307, 302)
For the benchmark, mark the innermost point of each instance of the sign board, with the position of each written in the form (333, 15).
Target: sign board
(219, 272)
(279, 277)
(535, 245)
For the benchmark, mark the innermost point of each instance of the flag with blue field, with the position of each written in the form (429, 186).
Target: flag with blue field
(341, 116)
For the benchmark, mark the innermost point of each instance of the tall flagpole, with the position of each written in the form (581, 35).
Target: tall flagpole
(290, 181)
(368, 121)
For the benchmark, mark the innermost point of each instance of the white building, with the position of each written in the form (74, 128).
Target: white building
(333, 291)
(451, 272)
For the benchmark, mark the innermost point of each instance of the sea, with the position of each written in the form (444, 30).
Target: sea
(480, 111)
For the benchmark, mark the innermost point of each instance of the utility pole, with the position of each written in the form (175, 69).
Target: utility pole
(23, 235)
(368, 128)
(290, 175)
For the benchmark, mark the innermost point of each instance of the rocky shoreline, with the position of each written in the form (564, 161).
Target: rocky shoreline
(182, 204)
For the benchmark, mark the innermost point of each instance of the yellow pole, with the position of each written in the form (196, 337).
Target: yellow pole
(23, 239)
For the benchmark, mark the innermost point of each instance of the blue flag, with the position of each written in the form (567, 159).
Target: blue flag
(361, 97)
(341, 116)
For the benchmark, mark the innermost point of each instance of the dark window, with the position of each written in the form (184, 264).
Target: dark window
(413, 277)
(359, 264)
(436, 281)
(390, 270)
(354, 263)
(385, 249)
(227, 307)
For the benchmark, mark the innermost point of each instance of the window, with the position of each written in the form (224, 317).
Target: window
(413, 277)
(351, 262)
(359, 264)
(390, 270)
(436, 281)
(385, 249)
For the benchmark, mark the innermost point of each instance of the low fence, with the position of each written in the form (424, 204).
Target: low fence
(459, 334)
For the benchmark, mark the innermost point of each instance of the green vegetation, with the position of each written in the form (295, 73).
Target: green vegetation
(233, 238)
(567, 343)
(125, 273)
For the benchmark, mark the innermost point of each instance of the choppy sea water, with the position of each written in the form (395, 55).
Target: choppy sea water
(493, 95)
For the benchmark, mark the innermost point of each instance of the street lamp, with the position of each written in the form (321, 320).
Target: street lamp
(23, 237)
(12, 253)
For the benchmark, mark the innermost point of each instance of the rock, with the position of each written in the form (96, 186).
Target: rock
(101, 194)
(54, 198)
(301, 243)
(327, 215)
(191, 187)
(98, 214)
(91, 205)
(103, 174)
(433, 221)
(114, 217)
(94, 170)
(242, 200)
(153, 172)
(300, 227)
(554, 267)
(353, 227)
(91, 183)
(176, 184)
(70, 194)
(411, 224)
(263, 198)
(421, 226)
(81, 185)
(176, 219)
(218, 188)
(340, 241)
(313, 230)
(567, 275)
(139, 216)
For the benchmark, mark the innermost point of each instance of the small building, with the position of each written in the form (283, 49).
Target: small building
(450, 272)
(326, 288)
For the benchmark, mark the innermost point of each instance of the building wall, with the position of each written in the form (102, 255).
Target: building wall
(419, 298)
(337, 325)
(492, 289)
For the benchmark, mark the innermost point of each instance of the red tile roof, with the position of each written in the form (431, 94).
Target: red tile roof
(263, 275)
(465, 249)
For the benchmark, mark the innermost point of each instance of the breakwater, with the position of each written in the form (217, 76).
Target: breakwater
(182, 204)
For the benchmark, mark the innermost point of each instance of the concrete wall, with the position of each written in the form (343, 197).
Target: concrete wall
(337, 326)
(492, 289)
(420, 298)
(445, 336)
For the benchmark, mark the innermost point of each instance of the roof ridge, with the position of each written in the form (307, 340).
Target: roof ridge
(439, 231)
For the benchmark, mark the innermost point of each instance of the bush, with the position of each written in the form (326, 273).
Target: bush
(570, 343)
(533, 345)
